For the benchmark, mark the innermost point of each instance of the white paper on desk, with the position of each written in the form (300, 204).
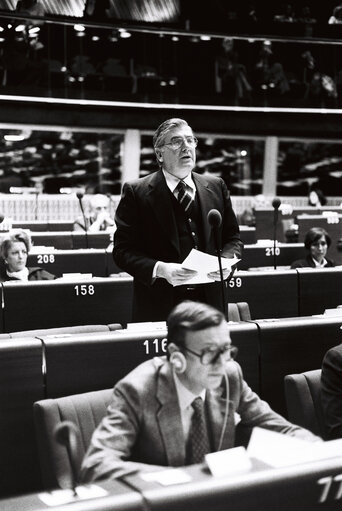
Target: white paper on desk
(279, 450)
(204, 263)
(167, 477)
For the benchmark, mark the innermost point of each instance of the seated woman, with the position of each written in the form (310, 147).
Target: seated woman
(14, 250)
(316, 241)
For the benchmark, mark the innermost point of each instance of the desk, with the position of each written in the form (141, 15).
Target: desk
(270, 294)
(57, 262)
(37, 226)
(82, 363)
(264, 219)
(247, 234)
(259, 255)
(120, 498)
(65, 240)
(284, 489)
(48, 304)
(21, 383)
(319, 290)
(297, 488)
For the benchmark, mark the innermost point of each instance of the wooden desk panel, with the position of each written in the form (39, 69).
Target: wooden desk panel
(264, 219)
(247, 234)
(259, 256)
(21, 383)
(319, 290)
(270, 294)
(82, 363)
(92, 261)
(50, 304)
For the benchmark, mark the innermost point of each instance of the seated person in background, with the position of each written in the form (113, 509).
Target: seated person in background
(336, 17)
(14, 250)
(316, 198)
(331, 392)
(157, 408)
(316, 241)
(97, 218)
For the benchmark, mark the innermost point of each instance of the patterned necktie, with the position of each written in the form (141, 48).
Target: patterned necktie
(184, 197)
(198, 437)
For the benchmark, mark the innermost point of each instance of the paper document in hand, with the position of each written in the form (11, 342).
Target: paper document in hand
(204, 263)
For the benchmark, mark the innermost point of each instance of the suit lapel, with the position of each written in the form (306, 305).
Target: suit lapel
(205, 196)
(159, 197)
(169, 418)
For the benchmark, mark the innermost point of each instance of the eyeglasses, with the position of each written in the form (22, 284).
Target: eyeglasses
(177, 142)
(211, 355)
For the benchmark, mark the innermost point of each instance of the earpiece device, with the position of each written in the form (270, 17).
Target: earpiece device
(178, 362)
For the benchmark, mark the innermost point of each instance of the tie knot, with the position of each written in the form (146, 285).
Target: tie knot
(181, 186)
(198, 404)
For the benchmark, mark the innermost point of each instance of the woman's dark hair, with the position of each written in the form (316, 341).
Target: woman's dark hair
(322, 198)
(191, 316)
(314, 235)
(8, 240)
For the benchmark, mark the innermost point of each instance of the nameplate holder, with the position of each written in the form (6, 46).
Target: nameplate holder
(228, 462)
(60, 497)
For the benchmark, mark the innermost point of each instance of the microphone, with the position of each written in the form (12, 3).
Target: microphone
(276, 204)
(215, 220)
(80, 196)
(37, 192)
(66, 434)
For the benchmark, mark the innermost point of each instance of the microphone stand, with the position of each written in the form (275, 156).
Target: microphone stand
(218, 252)
(85, 222)
(275, 224)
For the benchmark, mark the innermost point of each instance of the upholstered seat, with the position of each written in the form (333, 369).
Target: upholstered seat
(85, 411)
(303, 400)
(239, 312)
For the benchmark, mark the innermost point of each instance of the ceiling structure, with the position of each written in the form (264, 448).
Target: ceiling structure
(131, 10)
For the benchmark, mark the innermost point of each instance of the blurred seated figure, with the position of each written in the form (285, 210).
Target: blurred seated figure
(316, 241)
(30, 7)
(14, 250)
(97, 218)
(331, 392)
(247, 217)
(292, 233)
(336, 17)
(235, 84)
(316, 198)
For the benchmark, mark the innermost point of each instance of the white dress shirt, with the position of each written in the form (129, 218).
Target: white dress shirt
(185, 398)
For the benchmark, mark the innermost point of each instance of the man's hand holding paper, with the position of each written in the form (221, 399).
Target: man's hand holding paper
(206, 266)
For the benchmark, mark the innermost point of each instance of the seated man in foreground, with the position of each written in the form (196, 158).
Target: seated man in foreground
(161, 409)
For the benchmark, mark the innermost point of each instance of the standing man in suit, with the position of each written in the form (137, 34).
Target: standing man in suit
(161, 217)
(171, 411)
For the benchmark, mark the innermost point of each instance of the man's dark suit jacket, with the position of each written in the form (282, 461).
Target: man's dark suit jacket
(331, 391)
(147, 233)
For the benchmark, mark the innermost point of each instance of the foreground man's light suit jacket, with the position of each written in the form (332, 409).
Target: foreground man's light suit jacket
(143, 428)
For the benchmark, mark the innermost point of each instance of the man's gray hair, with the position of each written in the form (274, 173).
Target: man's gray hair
(164, 128)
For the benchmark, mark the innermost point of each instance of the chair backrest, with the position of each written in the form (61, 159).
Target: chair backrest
(239, 312)
(303, 401)
(85, 411)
